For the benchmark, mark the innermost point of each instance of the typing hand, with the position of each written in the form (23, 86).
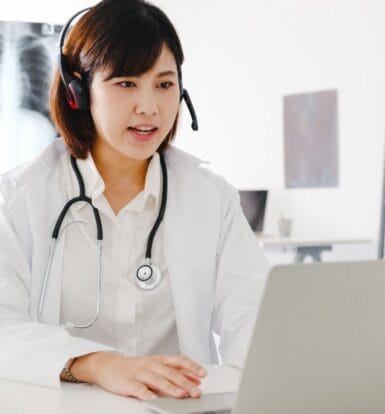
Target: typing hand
(142, 377)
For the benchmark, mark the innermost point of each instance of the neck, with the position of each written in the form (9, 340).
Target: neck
(116, 168)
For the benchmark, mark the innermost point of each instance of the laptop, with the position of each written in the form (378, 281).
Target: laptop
(253, 203)
(318, 346)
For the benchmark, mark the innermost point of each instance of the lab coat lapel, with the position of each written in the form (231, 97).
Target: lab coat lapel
(179, 246)
(176, 245)
(51, 308)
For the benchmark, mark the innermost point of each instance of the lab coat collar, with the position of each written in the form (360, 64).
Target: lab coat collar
(179, 161)
(95, 186)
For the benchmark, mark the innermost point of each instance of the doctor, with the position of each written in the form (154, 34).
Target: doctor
(125, 285)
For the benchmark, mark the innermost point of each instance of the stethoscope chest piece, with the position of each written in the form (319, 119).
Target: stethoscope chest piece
(148, 276)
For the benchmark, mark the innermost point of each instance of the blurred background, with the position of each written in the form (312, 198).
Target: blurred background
(284, 91)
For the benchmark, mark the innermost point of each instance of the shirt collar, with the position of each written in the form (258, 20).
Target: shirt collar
(95, 186)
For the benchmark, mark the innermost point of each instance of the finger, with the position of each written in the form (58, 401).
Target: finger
(191, 377)
(184, 362)
(139, 390)
(158, 383)
(178, 378)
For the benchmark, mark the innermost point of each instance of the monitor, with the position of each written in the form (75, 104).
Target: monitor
(253, 203)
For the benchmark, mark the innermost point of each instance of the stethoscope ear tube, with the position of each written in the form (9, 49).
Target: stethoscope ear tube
(99, 228)
(148, 276)
(162, 208)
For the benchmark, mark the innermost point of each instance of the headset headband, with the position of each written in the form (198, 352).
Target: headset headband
(65, 76)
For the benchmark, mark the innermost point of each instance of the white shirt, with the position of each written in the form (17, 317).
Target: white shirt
(134, 321)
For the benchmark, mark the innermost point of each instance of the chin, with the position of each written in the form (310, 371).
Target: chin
(140, 154)
(143, 150)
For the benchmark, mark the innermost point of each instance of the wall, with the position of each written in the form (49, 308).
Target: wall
(241, 58)
(258, 51)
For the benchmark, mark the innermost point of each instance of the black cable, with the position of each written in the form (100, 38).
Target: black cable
(82, 197)
(162, 207)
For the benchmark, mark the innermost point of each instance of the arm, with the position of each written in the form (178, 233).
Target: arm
(36, 353)
(241, 274)
(29, 351)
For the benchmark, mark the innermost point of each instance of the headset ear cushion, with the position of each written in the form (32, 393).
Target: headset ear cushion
(79, 95)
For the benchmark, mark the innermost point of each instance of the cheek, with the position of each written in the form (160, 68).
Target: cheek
(100, 100)
(104, 108)
(171, 109)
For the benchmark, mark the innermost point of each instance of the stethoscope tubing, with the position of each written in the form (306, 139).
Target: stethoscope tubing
(99, 236)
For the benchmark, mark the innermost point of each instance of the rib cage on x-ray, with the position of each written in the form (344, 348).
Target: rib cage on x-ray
(36, 69)
(27, 56)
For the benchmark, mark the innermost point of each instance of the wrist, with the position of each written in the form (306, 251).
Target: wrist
(84, 368)
(66, 373)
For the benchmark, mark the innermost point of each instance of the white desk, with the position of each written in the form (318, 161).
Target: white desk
(19, 398)
(304, 247)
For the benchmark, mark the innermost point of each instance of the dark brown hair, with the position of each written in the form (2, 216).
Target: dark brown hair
(126, 38)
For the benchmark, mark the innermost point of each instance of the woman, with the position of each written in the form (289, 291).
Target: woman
(165, 283)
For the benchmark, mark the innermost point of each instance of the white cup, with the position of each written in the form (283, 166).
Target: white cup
(285, 225)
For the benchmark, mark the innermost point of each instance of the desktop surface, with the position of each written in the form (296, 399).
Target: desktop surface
(219, 386)
(318, 347)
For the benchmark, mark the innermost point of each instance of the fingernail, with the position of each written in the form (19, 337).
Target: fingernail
(202, 372)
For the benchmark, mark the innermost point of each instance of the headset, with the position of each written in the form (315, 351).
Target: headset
(76, 92)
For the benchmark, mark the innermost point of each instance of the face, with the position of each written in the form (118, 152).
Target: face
(133, 115)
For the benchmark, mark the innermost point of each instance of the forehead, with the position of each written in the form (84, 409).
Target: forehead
(164, 62)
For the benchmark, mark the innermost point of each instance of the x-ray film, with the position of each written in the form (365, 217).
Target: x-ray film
(28, 55)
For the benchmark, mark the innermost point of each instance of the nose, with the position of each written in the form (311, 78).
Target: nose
(146, 102)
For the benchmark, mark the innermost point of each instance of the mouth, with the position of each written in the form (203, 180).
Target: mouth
(142, 133)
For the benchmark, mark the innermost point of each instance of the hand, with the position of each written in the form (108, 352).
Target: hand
(142, 377)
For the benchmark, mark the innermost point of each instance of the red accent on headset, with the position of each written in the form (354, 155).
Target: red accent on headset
(72, 102)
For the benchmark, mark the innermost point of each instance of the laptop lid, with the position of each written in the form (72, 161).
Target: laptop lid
(253, 203)
(319, 342)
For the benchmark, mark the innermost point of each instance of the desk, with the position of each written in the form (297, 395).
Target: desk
(304, 247)
(19, 398)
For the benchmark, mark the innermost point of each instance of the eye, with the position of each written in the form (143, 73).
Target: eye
(126, 84)
(166, 85)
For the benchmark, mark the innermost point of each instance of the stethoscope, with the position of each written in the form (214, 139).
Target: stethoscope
(148, 275)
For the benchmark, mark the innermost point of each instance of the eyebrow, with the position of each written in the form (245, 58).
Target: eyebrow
(159, 75)
(166, 73)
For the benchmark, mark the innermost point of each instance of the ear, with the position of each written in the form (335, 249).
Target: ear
(77, 75)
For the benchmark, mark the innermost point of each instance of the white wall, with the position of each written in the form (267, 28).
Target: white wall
(241, 58)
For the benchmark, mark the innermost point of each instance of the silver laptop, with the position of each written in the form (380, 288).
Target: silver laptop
(318, 346)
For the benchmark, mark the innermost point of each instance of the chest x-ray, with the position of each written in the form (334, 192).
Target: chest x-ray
(28, 53)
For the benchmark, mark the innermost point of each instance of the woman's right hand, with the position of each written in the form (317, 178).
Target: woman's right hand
(144, 377)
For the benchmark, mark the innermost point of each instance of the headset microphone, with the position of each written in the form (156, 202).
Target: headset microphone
(186, 97)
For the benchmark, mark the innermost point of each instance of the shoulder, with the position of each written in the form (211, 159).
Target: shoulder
(40, 171)
(184, 167)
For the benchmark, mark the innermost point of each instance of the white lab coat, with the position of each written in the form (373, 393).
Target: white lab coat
(217, 271)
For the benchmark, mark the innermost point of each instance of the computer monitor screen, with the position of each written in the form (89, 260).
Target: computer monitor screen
(253, 203)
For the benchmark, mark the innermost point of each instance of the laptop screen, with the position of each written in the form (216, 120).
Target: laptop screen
(253, 203)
